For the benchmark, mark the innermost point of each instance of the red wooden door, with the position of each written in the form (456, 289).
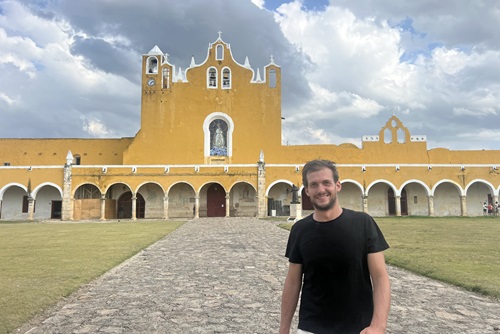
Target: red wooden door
(216, 201)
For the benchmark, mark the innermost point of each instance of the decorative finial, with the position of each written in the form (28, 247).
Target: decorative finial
(272, 59)
(220, 33)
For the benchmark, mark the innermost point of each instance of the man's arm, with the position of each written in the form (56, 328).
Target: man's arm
(290, 296)
(381, 294)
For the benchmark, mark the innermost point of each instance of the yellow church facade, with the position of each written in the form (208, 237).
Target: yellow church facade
(209, 145)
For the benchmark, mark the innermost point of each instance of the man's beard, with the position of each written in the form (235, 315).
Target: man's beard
(325, 207)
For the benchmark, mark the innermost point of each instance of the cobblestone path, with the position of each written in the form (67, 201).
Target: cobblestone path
(225, 275)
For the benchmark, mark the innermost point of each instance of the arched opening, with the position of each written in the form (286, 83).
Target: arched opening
(219, 52)
(212, 77)
(243, 201)
(226, 78)
(125, 206)
(216, 201)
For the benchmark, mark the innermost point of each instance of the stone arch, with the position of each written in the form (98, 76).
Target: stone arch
(377, 194)
(41, 185)
(48, 201)
(279, 198)
(87, 202)
(243, 200)
(87, 191)
(417, 195)
(477, 192)
(351, 195)
(7, 186)
(447, 200)
(212, 200)
(125, 206)
(14, 198)
(153, 195)
(181, 200)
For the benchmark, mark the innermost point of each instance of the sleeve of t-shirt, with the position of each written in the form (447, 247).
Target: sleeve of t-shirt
(292, 249)
(375, 240)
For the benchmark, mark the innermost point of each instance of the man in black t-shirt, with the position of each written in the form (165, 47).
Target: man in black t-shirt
(336, 259)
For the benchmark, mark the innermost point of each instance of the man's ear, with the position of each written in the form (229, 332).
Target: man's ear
(306, 191)
(339, 186)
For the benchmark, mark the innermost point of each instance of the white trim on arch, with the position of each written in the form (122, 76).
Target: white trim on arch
(482, 181)
(290, 183)
(206, 132)
(415, 181)
(40, 186)
(13, 184)
(388, 183)
(360, 186)
(443, 181)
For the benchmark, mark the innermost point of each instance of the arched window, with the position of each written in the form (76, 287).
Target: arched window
(218, 138)
(226, 78)
(77, 160)
(387, 136)
(219, 52)
(401, 136)
(166, 77)
(212, 77)
(152, 65)
(218, 130)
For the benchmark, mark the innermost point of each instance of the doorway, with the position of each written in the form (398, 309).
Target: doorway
(125, 206)
(216, 201)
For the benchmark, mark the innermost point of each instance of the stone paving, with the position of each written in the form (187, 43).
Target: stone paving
(225, 275)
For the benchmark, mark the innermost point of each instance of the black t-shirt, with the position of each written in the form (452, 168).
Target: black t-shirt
(337, 292)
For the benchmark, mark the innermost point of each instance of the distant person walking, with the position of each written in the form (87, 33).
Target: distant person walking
(485, 209)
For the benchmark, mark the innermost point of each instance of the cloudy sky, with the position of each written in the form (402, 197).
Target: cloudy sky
(72, 68)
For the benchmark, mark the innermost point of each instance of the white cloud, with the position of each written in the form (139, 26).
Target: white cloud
(259, 3)
(345, 68)
(95, 127)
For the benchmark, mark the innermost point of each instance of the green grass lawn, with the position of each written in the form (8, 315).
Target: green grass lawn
(459, 250)
(41, 263)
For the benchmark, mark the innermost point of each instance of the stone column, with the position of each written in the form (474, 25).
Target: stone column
(67, 200)
(31, 207)
(398, 206)
(463, 205)
(197, 206)
(134, 207)
(228, 212)
(103, 207)
(261, 190)
(431, 205)
(165, 207)
(365, 203)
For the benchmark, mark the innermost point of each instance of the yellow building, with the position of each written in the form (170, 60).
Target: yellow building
(210, 145)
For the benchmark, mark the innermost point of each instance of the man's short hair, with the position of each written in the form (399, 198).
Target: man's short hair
(316, 165)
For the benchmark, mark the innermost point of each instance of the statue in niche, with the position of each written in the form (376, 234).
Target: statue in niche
(219, 137)
(218, 133)
(295, 197)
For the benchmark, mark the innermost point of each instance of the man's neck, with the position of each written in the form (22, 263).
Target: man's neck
(328, 215)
